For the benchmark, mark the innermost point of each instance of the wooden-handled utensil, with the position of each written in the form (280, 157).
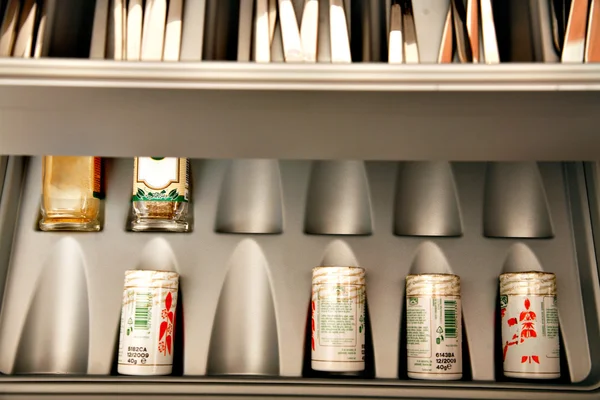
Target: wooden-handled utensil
(592, 51)
(473, 27)
(411, 46)
(8, 30)
(446, 54)
(461, 34)
(574, 46)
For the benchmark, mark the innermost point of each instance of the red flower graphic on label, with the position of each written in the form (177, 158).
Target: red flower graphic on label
(163, 329)
(531, 359)
(168, 301)
(527, 318)
(166, 327)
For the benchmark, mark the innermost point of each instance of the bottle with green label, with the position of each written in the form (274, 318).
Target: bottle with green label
(161, 194)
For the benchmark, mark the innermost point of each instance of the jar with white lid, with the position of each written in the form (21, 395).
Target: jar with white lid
(146, 344)
(530, 326)
(338, 321)
(433, 327)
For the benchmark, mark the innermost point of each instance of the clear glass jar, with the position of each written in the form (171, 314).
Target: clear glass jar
(71, 192)
(161, 194)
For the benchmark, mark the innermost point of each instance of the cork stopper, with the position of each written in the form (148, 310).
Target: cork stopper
(528, 283)
(433, 285)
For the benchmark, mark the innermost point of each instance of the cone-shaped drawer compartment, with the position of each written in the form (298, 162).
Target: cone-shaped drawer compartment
(259, 227)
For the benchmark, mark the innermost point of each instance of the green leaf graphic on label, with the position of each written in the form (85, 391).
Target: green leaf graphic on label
(503, 301)
(413, 301)
(173, 195)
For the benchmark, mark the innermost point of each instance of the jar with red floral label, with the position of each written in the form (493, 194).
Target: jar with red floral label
(530, 327)
(148, 323)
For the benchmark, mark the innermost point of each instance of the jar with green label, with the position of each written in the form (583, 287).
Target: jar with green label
(433, 327)
(338, 322)
(161, 194)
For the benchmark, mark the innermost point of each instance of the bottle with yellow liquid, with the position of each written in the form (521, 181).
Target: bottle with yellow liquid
(71, 193)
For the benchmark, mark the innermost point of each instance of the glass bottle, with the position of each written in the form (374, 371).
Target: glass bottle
(161, 194)
(71, 193)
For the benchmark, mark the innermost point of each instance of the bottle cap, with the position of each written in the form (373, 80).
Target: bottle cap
(433, 285)
(336, 274)
(527, 283)
(148, 278)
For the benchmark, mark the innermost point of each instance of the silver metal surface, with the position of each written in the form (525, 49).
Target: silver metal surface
(520, 258)
(429, 259)
(239, 388)
(321, 77)
(244, 337)
(338, 200)
(338, 112)
(426, 200)
(516, 203)
(13, 169)
(55, 335)
(250, 199)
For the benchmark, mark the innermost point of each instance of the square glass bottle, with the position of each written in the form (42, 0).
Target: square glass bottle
(161, 194)
(71, 192)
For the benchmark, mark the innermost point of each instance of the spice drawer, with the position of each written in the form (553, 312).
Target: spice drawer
(259, 226)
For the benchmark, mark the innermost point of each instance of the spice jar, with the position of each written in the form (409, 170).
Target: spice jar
(530, 327)
(71, 193)
(338, 319)
(148, 322)
(161, 194)
(433, 327)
